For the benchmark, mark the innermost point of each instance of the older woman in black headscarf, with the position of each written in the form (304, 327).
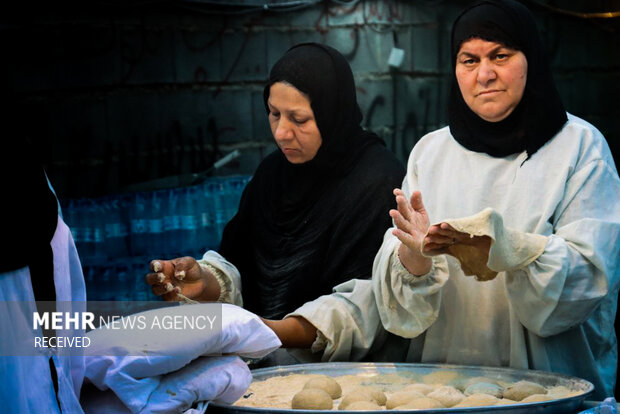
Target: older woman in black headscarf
(525, 198)
(314, 213)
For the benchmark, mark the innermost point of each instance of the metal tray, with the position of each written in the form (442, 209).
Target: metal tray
(334, 369)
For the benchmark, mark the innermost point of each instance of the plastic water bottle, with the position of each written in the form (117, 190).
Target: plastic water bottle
(115, 229)
(87, 229)
(189, 222)
(156, 225)
(97, 215)
(172, 223)
(138, 225)
(205, 219)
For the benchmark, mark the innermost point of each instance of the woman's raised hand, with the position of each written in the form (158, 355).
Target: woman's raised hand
(411, 221)
(182, 275)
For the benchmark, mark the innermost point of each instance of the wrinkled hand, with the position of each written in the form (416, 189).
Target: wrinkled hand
(182, 275)
(411, 221)
(441, 236)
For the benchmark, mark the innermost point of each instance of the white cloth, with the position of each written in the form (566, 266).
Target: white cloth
(555, 314)
(26, 380)
(227, 276)
(219, 379)
(133, 363)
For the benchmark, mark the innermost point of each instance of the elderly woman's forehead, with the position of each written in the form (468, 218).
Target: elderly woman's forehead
(477, 40)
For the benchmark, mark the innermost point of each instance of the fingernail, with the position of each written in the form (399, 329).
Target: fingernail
(180, 275)
(169, 287)
(156, 266)
(161, 277)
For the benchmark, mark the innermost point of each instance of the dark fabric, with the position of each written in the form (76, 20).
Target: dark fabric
(302, 229)
(540, 114)
(30, 216)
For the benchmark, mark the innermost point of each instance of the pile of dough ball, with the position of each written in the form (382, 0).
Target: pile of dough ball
(323, 392)
(317, 394)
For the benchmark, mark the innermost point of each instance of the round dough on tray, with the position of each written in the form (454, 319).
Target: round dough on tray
(537, 398)
(477, 400)
(327, 384)
(419, 387)
(363, 406)
(421, 403)
(523, 389)
(312, 399)
(361, 393)
(401, 398)
(484, 388)
(447, 395)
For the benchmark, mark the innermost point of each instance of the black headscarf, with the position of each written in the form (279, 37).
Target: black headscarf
(303, 228)
(540, 114)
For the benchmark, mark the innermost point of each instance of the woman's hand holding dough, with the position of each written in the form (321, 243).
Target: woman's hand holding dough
(182, 275)
(441, 236)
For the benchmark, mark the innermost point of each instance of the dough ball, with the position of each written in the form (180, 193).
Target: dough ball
(419, 387)
(363, 406)
(462, 383)
(421, 403)
(376, 395)
(312, 399)
(477, 400)
(505, 401)
(400, 398)
(361, 393)
(446, 395)
(440, 377)
(537, 398)
(559, 391)
(523, 389)
(327, 384)
(485, 388)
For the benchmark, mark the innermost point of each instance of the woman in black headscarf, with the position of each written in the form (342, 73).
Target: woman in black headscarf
(315, 211)
(525, 197)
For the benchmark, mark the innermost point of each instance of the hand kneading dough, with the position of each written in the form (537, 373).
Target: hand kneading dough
(447, 395)
(523, 389)
(422, 403)
(363, 406)
(327, 384)
(477, 400)
(312, 399)
(362, 393)
(485, 388)
(401, 397)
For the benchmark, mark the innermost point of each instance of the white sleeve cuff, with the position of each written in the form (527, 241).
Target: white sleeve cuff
(222, 279)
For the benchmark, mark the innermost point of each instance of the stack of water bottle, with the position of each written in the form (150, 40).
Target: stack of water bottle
(117, 235)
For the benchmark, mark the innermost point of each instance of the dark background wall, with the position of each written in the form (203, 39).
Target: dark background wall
(126, 92)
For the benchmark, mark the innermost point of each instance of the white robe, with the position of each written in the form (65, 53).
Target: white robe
(554, 314)
(26, 379)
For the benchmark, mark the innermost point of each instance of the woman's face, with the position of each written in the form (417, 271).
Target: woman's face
(491, 78)
(292, 123)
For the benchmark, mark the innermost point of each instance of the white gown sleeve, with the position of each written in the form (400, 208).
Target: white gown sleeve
(347, 321)
(580, 262)
(407, 304)
(227, 276)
